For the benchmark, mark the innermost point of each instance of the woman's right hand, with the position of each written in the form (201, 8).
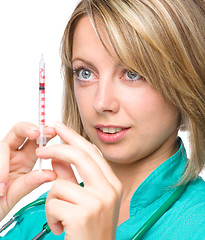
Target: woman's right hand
(17, 159)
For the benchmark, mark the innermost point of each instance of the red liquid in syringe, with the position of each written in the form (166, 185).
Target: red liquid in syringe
(41, 94)
(42, 140)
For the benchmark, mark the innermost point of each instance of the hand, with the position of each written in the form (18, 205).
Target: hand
(89, 212)
(17, 158)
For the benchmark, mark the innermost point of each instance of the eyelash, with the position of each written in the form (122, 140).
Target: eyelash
(77, 70)
(139, 77)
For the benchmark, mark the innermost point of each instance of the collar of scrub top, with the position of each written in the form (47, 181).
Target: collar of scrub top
(161, 183)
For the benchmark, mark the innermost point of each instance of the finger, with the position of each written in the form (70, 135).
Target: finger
(25, 156)
(75, 220)
(49, 131)
(64, 216)
(30, 146)
(69, 192)
(63, 170)
(28, 182)
(4, 166)
(71, 137)
(18, 134)
(61, 214)
(87, 168)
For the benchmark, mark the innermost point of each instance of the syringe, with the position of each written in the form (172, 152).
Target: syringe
(42, 140)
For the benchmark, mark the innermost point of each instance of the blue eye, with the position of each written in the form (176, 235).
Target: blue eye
(132, 75)
(83, 74)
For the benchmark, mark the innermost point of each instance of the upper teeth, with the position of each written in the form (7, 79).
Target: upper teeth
(111, 130)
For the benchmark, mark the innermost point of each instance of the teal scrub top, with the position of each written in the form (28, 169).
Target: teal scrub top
(185, 220)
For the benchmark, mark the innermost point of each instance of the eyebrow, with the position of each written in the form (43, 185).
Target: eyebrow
(82, 60)
(89, 63)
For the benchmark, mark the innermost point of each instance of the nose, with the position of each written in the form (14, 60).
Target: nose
(106, 100)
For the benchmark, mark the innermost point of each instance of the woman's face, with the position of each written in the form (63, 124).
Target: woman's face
(123, 115)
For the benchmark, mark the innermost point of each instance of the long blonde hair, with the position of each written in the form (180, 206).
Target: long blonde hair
(162, 40)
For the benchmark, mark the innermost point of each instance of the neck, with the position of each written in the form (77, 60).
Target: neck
(131, 177)
(133, 174)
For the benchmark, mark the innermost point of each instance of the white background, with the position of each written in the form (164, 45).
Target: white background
(28, 29)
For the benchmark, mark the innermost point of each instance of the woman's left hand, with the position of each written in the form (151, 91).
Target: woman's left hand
(89, 212)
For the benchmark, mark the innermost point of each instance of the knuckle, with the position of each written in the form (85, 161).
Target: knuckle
(49, 205)
(113, 194)
(56, 186)
(97, 206)
(95, 149)
(16, 125)
(19, 125)
(112, 198)
(85, 216)
(23, 126)
(83, 155)
(88, 214)
(119, 188)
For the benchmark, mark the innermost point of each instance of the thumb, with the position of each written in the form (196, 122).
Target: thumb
(27, 183)
(35, 178)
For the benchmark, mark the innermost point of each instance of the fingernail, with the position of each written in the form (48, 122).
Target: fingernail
(2, 189)
(49, 128)
(34, 130)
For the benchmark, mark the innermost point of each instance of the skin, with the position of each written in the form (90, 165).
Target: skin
(109, 98)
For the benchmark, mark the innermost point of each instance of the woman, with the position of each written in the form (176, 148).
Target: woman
(134, 76)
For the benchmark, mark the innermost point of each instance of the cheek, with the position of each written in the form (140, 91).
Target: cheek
(84, 102)
(162, 110)
(152, 112)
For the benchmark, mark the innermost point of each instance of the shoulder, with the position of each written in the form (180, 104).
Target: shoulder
(186, 218)
(196, 191)
(192, 214)
(194, 197)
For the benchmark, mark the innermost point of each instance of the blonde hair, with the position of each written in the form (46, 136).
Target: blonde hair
(162, 40)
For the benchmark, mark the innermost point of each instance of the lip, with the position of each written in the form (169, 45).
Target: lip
(111, 138)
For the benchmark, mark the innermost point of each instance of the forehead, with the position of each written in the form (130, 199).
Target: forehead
(86, 39)
(84, 33)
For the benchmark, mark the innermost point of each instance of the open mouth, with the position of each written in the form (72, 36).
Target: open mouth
(111, 130)
(111, 134)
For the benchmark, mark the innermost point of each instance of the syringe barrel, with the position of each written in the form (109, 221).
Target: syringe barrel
(42, 93)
